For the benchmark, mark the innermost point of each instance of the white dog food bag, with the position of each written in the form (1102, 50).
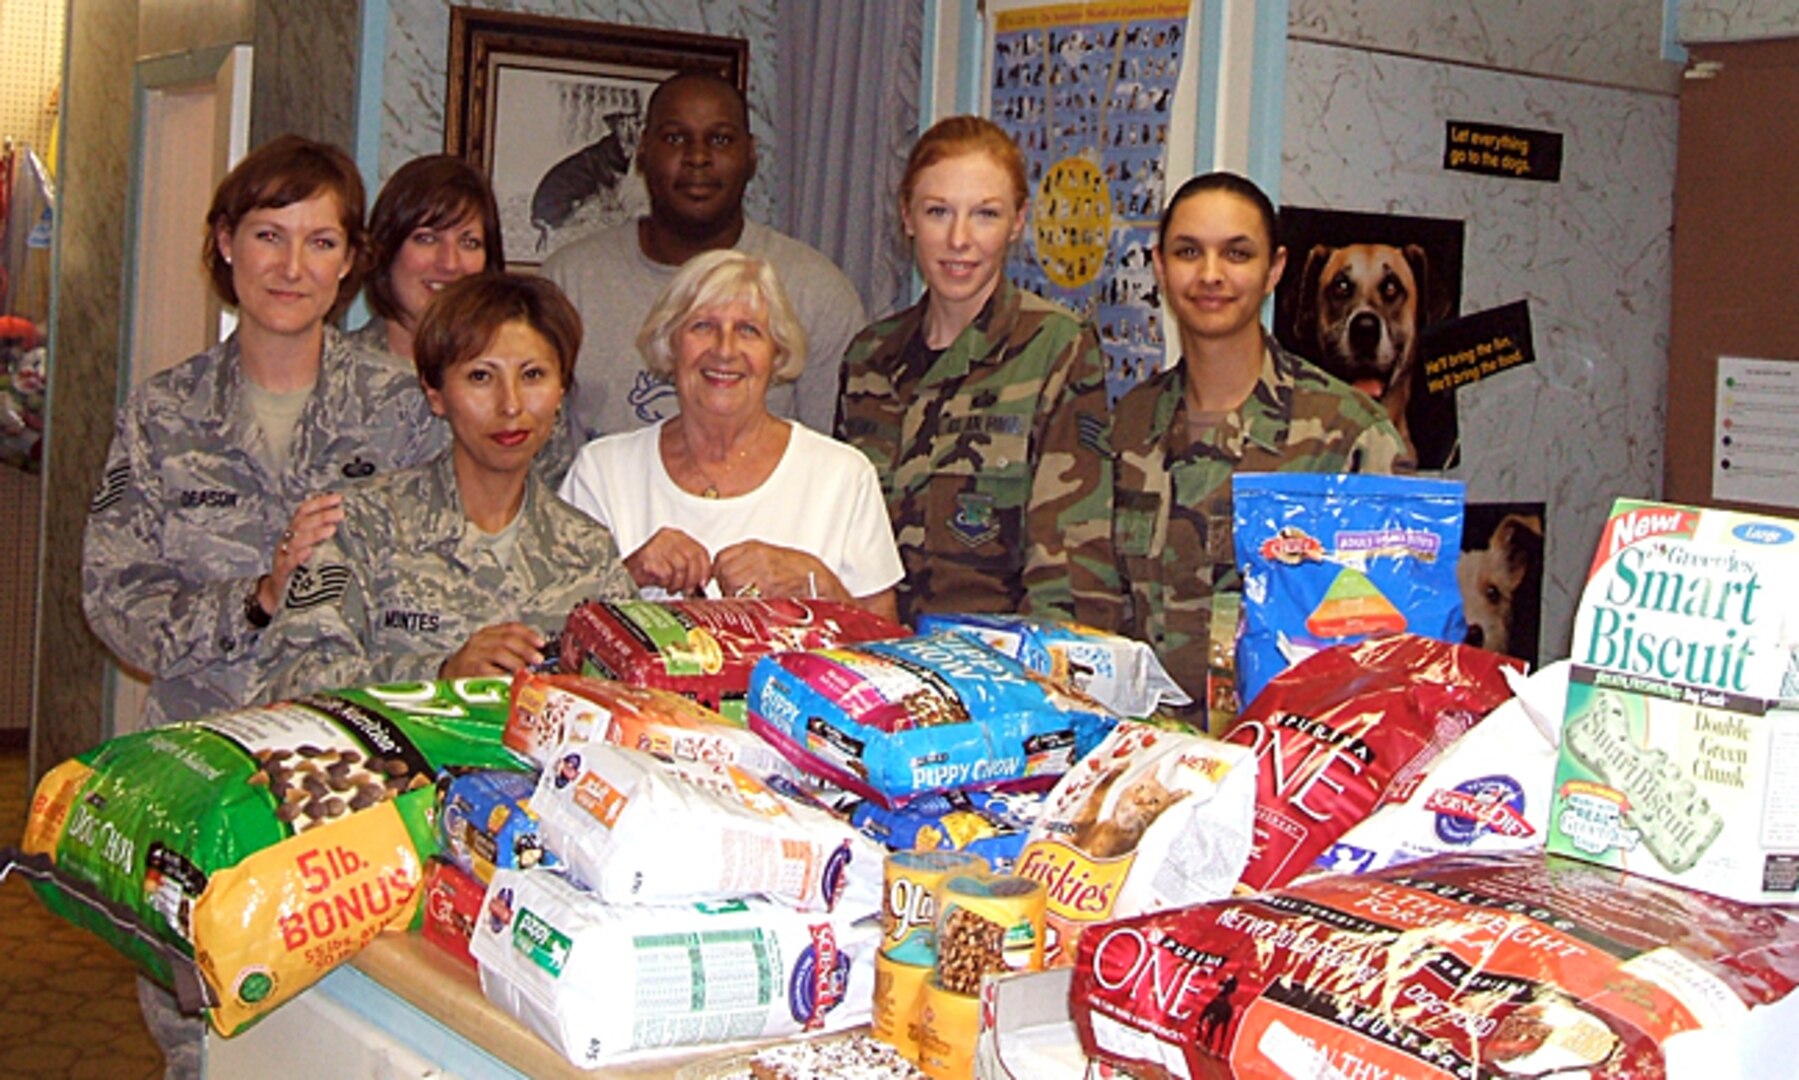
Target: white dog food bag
(1489, 792)
(643, 829)
(609, 983)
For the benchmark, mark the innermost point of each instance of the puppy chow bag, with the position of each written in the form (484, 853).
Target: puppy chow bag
(1119, 672)
(1349, 729)
(706, 648)
(644, 829)
(608, 983)
(990, 824)
(893, 720)
(1459, 967)
(486, 823)
(241, 856)
(1333, 560)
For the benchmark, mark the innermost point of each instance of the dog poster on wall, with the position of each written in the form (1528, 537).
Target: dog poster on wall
(1087, 93)
(1501, 577)
(1358, 293)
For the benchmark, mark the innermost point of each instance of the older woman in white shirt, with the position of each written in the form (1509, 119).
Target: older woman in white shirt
(725, 498)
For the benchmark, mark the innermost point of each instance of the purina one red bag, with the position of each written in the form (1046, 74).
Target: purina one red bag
(1348, 729)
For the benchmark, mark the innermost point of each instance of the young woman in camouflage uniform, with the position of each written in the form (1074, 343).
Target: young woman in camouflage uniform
(465, 566)
(1237, 402)
(213, 486)
(983, 407)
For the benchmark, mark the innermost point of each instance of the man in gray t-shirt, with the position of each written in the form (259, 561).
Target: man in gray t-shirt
(697, 156)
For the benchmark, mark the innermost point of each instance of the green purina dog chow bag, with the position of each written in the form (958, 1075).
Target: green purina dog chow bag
(241, 856)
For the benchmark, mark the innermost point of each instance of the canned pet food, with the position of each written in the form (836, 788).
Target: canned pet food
(987, 925)
(899, 991)
(948, 1023)
(909, 907)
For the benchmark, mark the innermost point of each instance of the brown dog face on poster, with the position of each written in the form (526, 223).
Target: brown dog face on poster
(1499, 583)
(1360, 310)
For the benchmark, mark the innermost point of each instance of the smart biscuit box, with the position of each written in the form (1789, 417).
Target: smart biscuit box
(1680, 748)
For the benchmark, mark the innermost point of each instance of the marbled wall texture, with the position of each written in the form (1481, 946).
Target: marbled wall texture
(1738, 20)
(418, 50)
(1609, 42)
(304, 71)
(1365, 131)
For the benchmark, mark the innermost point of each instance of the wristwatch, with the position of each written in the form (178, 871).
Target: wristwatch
(253, 613)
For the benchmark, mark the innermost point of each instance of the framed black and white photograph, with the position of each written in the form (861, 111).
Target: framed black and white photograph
(552, 111)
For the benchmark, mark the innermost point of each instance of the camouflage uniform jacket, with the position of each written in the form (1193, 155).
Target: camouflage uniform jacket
(993, 461)
(407, 580)
(187, 517)
(1172, 521)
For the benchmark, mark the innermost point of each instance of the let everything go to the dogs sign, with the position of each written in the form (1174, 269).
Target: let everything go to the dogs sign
(1492, 150)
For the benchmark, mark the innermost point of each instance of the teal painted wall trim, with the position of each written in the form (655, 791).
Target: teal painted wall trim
(1211, 58)
(1268, 97)
(1672, 49)
(969, 62)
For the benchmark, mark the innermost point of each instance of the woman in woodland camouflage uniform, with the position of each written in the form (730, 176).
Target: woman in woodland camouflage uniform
(983, 407)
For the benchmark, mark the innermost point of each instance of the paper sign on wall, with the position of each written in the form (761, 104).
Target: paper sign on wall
(1755, 444)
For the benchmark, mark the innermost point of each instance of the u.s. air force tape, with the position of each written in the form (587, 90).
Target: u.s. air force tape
(310, 587)
(112, 488)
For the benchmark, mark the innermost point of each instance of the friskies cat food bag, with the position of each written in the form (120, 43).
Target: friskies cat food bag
(1151, 819)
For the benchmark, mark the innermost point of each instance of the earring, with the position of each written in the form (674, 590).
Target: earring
(227, 260)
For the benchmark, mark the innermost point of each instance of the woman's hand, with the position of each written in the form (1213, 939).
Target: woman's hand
(671, 561)
(500, 649)
(753, 568)
(313, 523)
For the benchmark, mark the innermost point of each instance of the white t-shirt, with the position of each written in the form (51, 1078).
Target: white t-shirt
(823, 499)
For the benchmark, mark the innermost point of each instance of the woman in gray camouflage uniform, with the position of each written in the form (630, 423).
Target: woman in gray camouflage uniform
(218, 482)
(465, 566)
(216, 486)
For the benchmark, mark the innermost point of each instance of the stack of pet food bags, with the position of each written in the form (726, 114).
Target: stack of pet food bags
(681, 888)
(239, 857)
(948, 739)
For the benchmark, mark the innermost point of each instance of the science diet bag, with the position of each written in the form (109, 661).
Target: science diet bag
(1346, 730)
(1118, 672)
(1333, 560)
(705, 649)
(240, 857)
(1459, 967)
(609, 983)
(1151, 819)
(896, 719)
(1488, 792)
(643, 829)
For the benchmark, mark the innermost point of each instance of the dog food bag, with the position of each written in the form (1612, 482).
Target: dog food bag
(1680, 750)
(452, 903)
(240, 857)
(1150, 819)
(644, 829)
(990, 824)
(546, 709)
(610, 983)
(1488, 792)
(1120, 673)
(1499, 966)
(894, 720)
(1332, 560)
(486, 823)
(1347, 729)
(704, 649)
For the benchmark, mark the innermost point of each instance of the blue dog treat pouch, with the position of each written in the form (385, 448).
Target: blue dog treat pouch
(1332, 560)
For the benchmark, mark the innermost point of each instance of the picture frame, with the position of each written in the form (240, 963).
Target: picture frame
(550, 110)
